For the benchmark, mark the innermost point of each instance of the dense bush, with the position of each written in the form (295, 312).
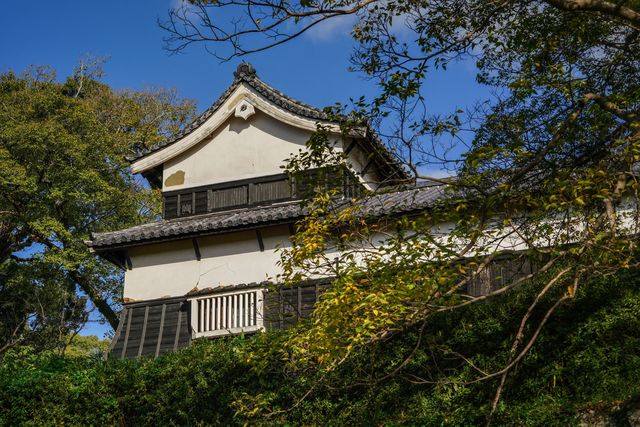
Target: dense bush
(589, 357)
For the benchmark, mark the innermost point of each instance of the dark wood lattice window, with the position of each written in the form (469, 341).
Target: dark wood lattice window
(171, 206)
(257, 191)
(500, 273)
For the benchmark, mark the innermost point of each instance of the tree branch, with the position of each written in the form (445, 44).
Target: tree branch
(624, 13)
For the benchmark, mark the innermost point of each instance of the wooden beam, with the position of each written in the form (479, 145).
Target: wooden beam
(260, 241)
(196, 249)
(164, 308)
(117, 259)
(116, 337)
(144, 330)
(350, 147)
(177, 338)
(126, 334)
(366, 168)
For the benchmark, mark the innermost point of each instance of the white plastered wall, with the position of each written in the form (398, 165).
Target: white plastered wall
(239, 149)
(171, 269)
(232, 145)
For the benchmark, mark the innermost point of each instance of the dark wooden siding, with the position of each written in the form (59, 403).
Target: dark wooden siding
(270, 191)
(499, 273)
(170, 206)
(158, 327)
(256, 191)
(201, 202)
(286, 305)
(324, 179)
(228, 198)
(152, 329)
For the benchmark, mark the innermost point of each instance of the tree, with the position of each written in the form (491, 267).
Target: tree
(549, 164)
(64, 176)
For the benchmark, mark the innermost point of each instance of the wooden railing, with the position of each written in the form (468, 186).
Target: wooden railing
(227, 313)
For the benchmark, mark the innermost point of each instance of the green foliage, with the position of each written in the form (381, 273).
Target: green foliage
(549, 173)
(86, 345)
(64, 176)
(546, 171)
(588, 358)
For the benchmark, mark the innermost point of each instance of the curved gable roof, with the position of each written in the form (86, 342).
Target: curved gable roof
(246, 74)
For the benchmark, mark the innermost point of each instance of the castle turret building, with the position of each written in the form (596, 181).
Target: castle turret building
(227, 207)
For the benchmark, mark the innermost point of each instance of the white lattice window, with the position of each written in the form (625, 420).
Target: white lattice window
(227, 313)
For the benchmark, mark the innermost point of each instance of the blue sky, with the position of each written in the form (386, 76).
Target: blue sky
(313, 68)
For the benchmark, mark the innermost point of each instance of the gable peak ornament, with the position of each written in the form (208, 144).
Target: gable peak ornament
(244, 109)
(244, 69)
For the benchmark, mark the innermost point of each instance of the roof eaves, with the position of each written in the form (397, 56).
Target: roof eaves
(195, 226)
(404, 202)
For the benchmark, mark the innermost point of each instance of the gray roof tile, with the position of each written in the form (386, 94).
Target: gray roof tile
(415, 198)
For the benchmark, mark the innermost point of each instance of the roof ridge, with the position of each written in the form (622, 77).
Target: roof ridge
(246, 73)
(311, 111)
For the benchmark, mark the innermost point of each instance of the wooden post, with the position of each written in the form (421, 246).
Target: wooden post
(144, 330)
(164, 309)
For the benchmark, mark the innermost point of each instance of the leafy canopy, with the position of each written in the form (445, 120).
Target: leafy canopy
(63, 176)
(545, 170)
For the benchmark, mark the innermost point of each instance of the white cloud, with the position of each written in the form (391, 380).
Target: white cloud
(341, 26)
(401, 27)
(332, 29)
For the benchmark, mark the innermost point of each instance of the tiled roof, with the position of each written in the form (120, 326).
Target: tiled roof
(245, 73)
(403, 201)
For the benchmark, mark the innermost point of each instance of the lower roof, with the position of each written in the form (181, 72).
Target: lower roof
(418, 197)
